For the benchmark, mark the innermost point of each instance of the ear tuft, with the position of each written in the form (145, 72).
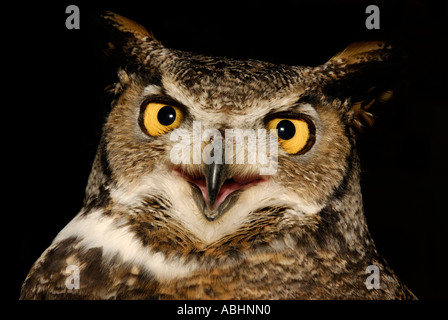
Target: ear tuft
(365, 73)
(360, 52)
(126, 25)
(121, 42)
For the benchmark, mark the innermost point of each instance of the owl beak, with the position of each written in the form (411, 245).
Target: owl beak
(215, 176)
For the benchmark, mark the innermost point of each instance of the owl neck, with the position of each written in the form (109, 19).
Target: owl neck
(342, 226)
(97, 191)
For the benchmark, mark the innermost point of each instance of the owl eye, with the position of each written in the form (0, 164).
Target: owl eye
(160, 118)
(294, 135)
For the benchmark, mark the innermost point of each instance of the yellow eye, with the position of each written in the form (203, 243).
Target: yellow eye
(160, 118)
(294, 135)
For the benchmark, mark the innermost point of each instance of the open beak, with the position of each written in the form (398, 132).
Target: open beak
(217, 190)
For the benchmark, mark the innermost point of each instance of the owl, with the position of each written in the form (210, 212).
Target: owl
(218, 178)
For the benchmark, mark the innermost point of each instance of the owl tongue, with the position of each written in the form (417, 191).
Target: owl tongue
(227, 188)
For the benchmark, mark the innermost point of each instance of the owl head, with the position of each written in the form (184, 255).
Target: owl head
(202, 151)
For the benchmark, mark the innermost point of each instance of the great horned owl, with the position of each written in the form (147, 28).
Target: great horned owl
(158, 223)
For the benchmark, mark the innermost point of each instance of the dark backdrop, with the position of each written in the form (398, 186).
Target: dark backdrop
(58, 95)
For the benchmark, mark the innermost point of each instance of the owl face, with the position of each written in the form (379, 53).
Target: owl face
(170, 138)
(187, 92)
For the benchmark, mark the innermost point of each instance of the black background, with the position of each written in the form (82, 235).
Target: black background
(57, 88)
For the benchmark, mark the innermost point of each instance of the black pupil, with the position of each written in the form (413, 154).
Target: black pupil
(166, 115)
(286, 129)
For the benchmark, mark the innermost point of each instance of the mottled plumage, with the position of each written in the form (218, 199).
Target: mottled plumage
(149, 228)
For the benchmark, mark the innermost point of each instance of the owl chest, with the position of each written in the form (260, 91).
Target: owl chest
(265, 277)
(268, 276)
